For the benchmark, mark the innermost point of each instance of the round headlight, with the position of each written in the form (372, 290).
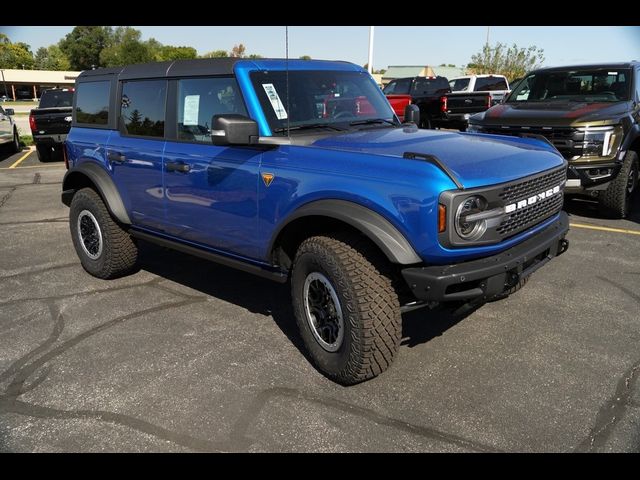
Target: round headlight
(466, 226)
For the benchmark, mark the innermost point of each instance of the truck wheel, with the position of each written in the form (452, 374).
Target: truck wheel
(44, 153)
(615, 201)
(345, 306)
(15, 144)
(105, 249)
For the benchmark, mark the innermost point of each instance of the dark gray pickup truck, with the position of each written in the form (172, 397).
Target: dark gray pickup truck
(50, 123)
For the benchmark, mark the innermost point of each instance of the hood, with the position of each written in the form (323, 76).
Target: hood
(475, 159)
(559, 114)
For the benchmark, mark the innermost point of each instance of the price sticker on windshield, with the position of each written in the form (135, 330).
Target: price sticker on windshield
(274, 98)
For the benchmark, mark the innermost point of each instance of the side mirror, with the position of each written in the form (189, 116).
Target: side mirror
(412, 114)
(233, 129)
(9, 111)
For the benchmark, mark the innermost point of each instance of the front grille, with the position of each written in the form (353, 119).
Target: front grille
(527, 188)
(532, 214)
(567, 140)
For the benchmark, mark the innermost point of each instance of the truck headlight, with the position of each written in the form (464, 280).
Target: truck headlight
(469, 225)
(599, 141)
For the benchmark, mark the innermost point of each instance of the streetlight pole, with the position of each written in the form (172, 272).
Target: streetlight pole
(370, 63)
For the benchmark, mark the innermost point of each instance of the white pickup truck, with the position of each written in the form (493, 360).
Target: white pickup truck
(469, 95)
(9, 139)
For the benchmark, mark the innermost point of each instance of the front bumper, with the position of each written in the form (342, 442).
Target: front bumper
(486, 277)
(581, 178)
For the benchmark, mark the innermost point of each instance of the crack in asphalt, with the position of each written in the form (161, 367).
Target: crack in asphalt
(48, 220)
(39, 270)
(614, 409)
(7, 196)
(239, 434)
(36, 178)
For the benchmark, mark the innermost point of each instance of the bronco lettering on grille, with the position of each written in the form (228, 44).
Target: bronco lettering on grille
(512, 207)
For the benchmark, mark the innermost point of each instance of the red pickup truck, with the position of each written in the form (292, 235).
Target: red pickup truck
(425, 92)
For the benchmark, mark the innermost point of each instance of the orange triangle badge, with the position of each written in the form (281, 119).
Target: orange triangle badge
(267, 178)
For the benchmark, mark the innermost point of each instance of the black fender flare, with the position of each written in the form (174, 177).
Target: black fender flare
(377, 228)
(102, 181)
(632, 135)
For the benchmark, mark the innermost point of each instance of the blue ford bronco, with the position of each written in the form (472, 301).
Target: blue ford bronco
(299, 171)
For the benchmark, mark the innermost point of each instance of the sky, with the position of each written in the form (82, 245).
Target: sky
(392, 45)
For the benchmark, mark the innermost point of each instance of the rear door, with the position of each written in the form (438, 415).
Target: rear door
(210, 190)
(135, 151)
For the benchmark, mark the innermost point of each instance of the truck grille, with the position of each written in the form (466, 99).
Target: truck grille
(567, 140)
(534, 213)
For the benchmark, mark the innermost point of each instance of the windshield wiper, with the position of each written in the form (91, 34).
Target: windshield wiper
(308, 127)
(371, 121)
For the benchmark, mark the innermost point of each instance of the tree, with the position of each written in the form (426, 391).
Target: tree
(126, 47)
(238, 51)
(168, 52)
(15, 55)
(254, 55)
(305, 57)
(216, 54)
(51, 58)
(83, 46)
(512, 62)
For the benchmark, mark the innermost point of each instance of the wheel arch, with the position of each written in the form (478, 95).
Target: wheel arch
(91, 175)
(333, 215)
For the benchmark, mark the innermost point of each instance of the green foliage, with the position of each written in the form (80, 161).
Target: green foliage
(305, 57)
(168, 52)
(51, 58)
(125, 47)
(216, 54)
(512, 62)
(254, 55)
(15, 55)
(83, 45)
(238, 51)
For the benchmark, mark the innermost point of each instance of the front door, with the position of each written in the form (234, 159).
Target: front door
(210, 191)
(135, 151)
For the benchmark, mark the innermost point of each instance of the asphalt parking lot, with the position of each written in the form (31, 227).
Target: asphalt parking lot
(186, 355)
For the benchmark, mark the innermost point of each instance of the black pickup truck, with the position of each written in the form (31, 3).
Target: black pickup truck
(50, 123)
(425, 92)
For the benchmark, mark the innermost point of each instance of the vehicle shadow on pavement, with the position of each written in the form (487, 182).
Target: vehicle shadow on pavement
(585, 207)
(265, 297)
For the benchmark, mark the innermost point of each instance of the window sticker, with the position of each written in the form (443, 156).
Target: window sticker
(274, 98)
(191, 109)
(612, 73)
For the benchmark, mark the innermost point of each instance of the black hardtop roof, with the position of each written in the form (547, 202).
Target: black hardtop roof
(178, 68)
(590, 66)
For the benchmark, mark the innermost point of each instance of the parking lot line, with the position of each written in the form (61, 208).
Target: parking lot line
(32, 166)
(605, 229)
(19, 161)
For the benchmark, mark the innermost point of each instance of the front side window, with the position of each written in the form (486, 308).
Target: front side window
(336, 100)
(199, 99)
(142, 107)
(92, 104)
(599, 85)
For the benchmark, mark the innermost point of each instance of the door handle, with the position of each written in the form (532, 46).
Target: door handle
(178, 167)
(116, 157)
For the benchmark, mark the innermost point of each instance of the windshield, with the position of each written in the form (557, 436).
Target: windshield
(459, 85)
(332, 99)
(56, 98)
(599, 85)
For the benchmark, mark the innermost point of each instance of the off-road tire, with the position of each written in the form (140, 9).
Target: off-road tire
(44, 153)
(119, 252)
(615, 201)
(14, 147)
(371, 311)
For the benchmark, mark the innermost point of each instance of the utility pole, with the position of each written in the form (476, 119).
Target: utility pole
(370, 63)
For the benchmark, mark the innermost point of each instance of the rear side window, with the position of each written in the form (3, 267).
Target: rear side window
(199, 99)
(430, 85)
(487, 84)
(143, 107)
(398, 87)
(56, 98)
(92, 104)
